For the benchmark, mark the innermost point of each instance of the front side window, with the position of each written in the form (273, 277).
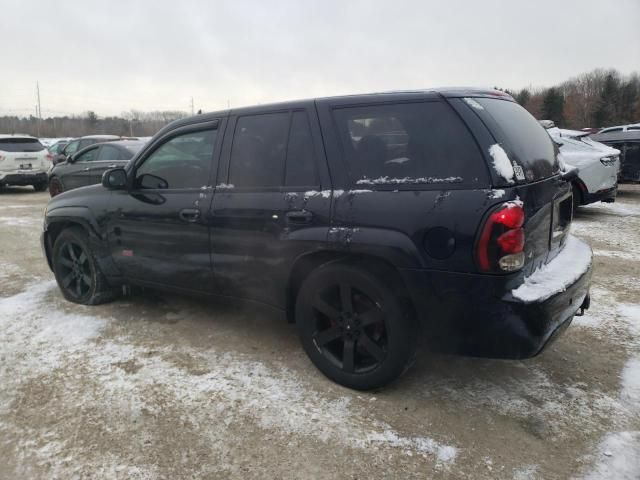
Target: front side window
(71, 148)
(184, 161)
(408, 143)
(86, 142)
(88, 156)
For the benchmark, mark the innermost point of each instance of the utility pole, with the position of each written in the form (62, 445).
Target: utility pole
(191, 105)
(39, 107)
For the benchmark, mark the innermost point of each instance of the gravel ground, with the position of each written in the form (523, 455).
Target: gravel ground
(162, 386)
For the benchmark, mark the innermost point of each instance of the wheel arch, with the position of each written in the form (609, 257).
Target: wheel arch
(67, 217)
(377, 265)
(581, 188)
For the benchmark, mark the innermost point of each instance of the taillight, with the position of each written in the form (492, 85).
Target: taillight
(50, 156)
(501, 244)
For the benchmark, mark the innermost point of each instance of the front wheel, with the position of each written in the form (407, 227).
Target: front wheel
(354, 327)
(77, 271)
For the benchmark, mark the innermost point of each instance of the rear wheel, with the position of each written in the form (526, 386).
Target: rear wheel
(353, 327)
(77, 271)
(40, 187)
(55, 186)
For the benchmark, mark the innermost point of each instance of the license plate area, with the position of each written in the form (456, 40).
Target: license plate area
(25, 166)
(561, 216)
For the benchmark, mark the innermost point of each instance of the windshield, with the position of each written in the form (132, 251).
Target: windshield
(521, 134)
(20, 145)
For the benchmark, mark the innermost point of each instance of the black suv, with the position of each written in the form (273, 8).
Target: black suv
(371, 220)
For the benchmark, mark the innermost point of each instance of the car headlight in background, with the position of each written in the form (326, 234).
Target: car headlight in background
(608, 161)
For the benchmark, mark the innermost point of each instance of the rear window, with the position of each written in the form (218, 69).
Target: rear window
(520, 134)
(422, 143)
(20, 145)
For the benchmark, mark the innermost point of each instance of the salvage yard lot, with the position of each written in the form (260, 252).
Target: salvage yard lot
(161, 386)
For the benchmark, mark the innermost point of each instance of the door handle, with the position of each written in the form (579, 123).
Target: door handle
(86, 169)
(189, 214)
(112, 166)
(299, 216)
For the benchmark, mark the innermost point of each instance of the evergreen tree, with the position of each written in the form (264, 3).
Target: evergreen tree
(523, 97)
(608, 104)
(553, 106)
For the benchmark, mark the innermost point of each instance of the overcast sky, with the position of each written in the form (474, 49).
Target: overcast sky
(113, 56)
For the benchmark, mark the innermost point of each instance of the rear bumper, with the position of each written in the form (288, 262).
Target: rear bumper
(23, 178)
(473, 314)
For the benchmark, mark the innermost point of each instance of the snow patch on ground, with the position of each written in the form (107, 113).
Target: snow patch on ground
(554, 277)
(40, 337)
(618, 457)
(19, 221)
(622, 209)
(501, 162)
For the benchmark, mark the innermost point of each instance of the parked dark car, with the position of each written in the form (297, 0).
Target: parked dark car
(368, 219)
(78, 144)
(87, 166)
(56, 148)
(628, 142)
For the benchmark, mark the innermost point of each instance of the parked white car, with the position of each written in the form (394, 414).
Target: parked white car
(621, 128)
(597, 164)
(23, 161)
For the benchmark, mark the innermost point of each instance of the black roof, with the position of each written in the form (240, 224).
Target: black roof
(447, 92)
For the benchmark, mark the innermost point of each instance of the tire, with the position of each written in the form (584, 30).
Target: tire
(577, 197)
(354, 327)
(55, 187)
(40, 187)
(77, 271)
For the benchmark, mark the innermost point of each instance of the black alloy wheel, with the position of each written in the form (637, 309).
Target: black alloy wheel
(353, 326)
(350, 328)
(76, 270)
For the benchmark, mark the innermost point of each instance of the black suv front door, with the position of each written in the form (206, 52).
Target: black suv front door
(157, 228)
(268, 207)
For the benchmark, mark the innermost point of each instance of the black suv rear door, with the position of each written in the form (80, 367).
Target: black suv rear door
(272, 201)
(157, 229)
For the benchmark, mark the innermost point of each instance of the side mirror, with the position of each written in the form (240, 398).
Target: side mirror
(114, 179)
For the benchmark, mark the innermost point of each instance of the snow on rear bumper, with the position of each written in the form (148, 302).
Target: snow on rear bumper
(558, 275)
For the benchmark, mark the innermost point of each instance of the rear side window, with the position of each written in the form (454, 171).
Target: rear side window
(301, 164)
(408, 143)
(610, 130)
(520, 134)
(20, 145)
(273, 150)
(258, 150)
